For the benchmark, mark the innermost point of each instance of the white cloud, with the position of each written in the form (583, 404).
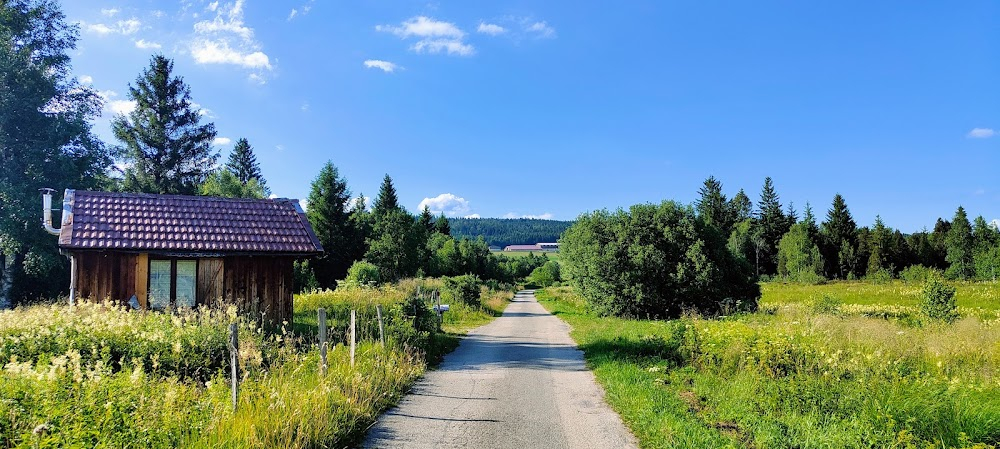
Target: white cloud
(99, 28)
(213, 6)
(124, 27)
(541, 29)
(304, 107)
(996, 223)
(472, 216)
(981, 133)
(292, 14)
(87, 79)
(385, 66)
(256, 79)
(453, 47)
(446, 203)
(423, 27)
(220, 141)
(219, 52)
(204, 112)
(109, 11)
(434, 36)
(129, 26)
(279, 147)
(123, 107)
(491, 29)
(545, 216)
(145, 45)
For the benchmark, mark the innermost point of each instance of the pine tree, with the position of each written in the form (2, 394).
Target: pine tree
(713, 207)
(330, 219)
(386, 201)
(773, 224)
(361, 223)
(164, 146)
(427, 220)
(838, 229)
(243, 163)
(880, 247)
(959, 246)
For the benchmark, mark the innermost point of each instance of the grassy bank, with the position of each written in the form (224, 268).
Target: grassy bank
(798, 374)
(101, 376)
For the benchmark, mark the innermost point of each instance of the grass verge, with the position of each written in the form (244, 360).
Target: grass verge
(794, 378)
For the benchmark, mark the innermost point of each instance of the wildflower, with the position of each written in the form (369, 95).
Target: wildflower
(41, 429)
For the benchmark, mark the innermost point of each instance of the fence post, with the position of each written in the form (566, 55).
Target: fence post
(234, 349)
(381, 330)
(437, 297)
(354, 334)
(322, 340)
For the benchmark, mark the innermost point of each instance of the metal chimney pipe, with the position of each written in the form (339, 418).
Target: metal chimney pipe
(47, 211)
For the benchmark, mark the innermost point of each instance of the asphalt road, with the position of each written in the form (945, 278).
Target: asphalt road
(518, 382)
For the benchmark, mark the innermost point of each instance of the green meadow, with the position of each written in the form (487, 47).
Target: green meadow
(840, 365)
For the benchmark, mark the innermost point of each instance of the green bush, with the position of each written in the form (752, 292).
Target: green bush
(880, 276)
(361, 274)
(545, 275)
(825, 304)
(655, 261)
(918, 274)
(461, 289)
(938, 301)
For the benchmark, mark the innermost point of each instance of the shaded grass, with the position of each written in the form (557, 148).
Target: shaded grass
(793, 378)
(983, 295)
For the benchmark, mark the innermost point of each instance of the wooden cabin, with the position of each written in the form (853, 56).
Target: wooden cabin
(172, 251)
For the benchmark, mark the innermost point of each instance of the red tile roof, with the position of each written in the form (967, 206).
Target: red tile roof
(182, 224)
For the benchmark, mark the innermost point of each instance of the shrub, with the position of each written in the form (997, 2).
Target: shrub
(938, 301)
(654, 261)
(825, 304)
(545, 275)
(361, 274)
(464, 289)
(880, 276)
(303, 277)
(918, 274)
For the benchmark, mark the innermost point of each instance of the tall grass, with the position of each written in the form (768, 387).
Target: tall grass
(100, 375)
(795, 377)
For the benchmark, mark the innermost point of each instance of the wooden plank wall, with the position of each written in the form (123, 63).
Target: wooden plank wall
(104, 276)
(210, 282)
(260, 286)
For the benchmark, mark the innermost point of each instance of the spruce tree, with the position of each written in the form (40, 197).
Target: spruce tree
(740, 207)
(773, 224)
(243, 163)
(330, 219)
(442, 226)
(713, 207)
(959, 247)
(165, 147)
(386, 201)
(361, 224)
(838, 230)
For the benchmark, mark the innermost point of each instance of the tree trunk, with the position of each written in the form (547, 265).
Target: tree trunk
(8, 272)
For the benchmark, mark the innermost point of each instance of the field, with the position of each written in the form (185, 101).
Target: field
(552, 255)
(98, 375)
(844, 365)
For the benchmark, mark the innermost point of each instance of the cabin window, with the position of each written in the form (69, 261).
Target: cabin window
(172, 282)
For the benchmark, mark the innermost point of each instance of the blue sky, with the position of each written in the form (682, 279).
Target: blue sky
(553, 108)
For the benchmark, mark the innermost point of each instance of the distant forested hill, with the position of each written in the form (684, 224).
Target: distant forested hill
(509, 231)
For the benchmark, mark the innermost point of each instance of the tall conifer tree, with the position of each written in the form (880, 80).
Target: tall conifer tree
(328, 201)
(164, 145)
(959, 246)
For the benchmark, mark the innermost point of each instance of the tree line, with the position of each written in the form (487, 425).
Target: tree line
(777, 242)
(662, 260)
(501, 232)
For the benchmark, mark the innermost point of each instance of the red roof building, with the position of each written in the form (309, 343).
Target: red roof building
(168, 251)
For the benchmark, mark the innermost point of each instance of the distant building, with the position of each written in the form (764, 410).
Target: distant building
(536, 247)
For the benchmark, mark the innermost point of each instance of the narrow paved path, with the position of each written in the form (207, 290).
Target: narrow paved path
(518, 382)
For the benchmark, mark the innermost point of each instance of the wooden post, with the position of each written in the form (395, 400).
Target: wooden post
(437, 297)
(354, 334)
(142, 280)
(234, 349)
(322, 341)
(381, 330)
